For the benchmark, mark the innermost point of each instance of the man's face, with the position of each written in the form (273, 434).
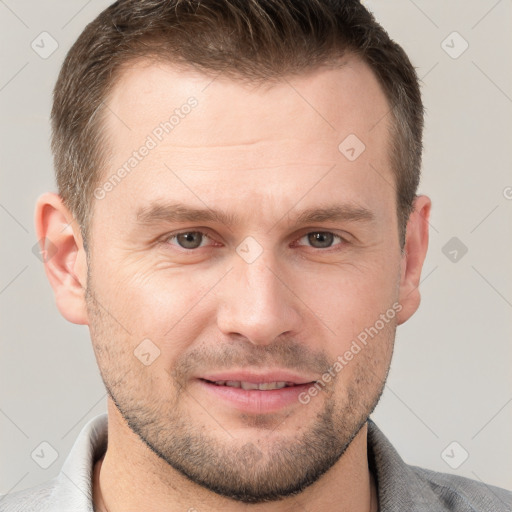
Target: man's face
(176, 304)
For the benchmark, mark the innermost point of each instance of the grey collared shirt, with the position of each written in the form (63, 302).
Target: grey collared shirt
(400, 487)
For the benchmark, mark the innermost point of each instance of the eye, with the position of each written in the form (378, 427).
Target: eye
(188, 239)
(191, 240)
(321, 239)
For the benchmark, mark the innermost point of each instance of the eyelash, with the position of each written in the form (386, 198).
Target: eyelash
(173, 236)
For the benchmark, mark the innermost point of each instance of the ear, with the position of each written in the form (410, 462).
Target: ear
(63, 255)
(415, 250)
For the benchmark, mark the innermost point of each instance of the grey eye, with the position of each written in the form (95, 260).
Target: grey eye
(190, 239)
(320, 239)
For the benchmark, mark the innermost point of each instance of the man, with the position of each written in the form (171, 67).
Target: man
(238, 225)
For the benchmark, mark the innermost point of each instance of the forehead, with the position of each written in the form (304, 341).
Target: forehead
(328, 101)
(214, 130)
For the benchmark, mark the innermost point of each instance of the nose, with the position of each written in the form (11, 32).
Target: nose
(257, 302)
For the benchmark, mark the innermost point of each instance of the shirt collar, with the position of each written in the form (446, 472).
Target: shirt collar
(399, 486)
(73, 488)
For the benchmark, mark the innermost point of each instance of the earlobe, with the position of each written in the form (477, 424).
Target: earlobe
(63, 255)
(415, 251)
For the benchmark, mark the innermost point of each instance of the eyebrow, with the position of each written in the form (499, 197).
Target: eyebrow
(179, 213)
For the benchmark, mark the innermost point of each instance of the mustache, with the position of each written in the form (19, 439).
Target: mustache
(287, 354)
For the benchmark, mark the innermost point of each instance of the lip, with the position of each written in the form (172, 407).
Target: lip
(255, 401)
(257, 377)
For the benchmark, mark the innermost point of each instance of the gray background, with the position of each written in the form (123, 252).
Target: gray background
(450, 379)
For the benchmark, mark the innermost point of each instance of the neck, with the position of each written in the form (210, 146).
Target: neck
(143, 481)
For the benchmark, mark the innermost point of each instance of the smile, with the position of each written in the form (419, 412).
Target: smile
(262, 386)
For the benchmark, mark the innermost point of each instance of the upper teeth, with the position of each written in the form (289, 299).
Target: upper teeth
(253, 385)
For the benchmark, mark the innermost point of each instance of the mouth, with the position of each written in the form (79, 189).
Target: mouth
(261, 386)
(252, 393)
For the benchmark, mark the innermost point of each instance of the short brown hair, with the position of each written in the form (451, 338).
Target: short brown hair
(256, 40)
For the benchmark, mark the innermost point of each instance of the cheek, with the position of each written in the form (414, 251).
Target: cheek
(166, 306)
(349, 298)
(363, 310)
